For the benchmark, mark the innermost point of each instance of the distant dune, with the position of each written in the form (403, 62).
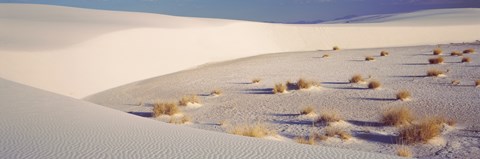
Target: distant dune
(78, 52)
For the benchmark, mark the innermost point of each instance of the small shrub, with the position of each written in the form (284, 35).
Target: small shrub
(477, 83)
(397, 116)
(438, 60)
(255, 130)
(322, 137)
(328, 117)
(357, 79)
(468, 51)
(434, 73)
(192, 99)
(404, 95)
(216, 92)
(369, 58)
(325, 56)
(335, 131)
(336, 48)
(383, 53)
(456, 53)
(466, 59)
(181, 120)
(421, 132)
(305, 84)
(256, 80)
(437, 51)
(307, 110)
(310, 140)
(404, 151)
(160, 108)
(455, 82)
(374, 84)
(279, 88)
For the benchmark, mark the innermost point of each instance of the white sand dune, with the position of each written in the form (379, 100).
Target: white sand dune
(79, 52)
(39, 124)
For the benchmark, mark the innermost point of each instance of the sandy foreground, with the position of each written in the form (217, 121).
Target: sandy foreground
(87, 51)
(128, 61)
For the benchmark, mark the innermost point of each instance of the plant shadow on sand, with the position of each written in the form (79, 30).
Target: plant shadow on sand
(239, 83)
(292, 122)
(375, 137)
(410, 76)
(350, 88)
(365, 123)
(142, 114)
(283, 115)
(335, 83)
(376, 99)
(415, 64)
(258, 91)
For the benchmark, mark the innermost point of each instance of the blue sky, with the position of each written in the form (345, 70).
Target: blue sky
(263, 10)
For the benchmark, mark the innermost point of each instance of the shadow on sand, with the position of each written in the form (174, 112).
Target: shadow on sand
(142, 114)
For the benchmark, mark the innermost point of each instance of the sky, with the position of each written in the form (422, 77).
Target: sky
(263, 10)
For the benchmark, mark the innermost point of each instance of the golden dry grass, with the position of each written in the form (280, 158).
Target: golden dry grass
(335, 131)
(442, 120)
(336, 48)
(255, 130)
(456, 53)
(466, 59)
(256, 80)
(322, 137)
(374, 84)
(309, 140)
(437, 60)
(192, 99)
(328, 117)
(279, 88)
(420, 132)
(325, 56)
(455, 82)
(468, 51)
(404, 151)
(161, 108)
(181, 120)
(306, 84)
(434, 72)
(384, 53)
(369, 58)
(307, 110)
(216, 92)
(357, 79)
(437, 51)
(397, 116)
(404, 95)
(477, 83)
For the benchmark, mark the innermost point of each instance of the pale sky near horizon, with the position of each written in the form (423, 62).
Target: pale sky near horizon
(263, 10)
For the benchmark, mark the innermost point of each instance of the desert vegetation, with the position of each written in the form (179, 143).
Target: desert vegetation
(279, 88)
(397, 116)
(161, 108)
(357, 79)
(404, 95)
(329, 117)
(404, 151)
(468, 51)
(437, 60)
(189, 99)
(307, 110)
(325, 56)
(216, 92)
(306, 84)
(477, 83)
(420, 132)
(255, 130)
(183, 120)
(256, 80)
(374, 84)
(369, 58)
(337, 132)
(384, 53)
(456, 53)
(309, 140)
(435, 72)
(455, 82)
(437, 51)
(336, 48)
(466, 59)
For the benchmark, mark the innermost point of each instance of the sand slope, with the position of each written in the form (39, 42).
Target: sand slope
(78, 52)
(39, 124)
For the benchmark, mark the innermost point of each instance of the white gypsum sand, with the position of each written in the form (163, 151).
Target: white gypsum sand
(40, 124)
(79, 52)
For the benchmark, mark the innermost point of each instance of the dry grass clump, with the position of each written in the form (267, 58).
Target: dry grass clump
(329, 117)
(335, 131)
(256, 80)
(307, 110)
(384, 53)
(403, 95)
(216, 92)
(182, 120)
(437, 51)
(434, 72)
(374, 84)
(369, 58)
(255, 130)
(404, 151)
(306, 84)
(466, 59)
(468, 51)
(160, 108)
(325, 56)
(442, 120)
(438, 60)
(357, 79)
(309, 140)
(455, 82)
(193, 99)
(397, 116)
(456, 53)
(477, 83)
(279, 88)
(336, 48)
(420, 132)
